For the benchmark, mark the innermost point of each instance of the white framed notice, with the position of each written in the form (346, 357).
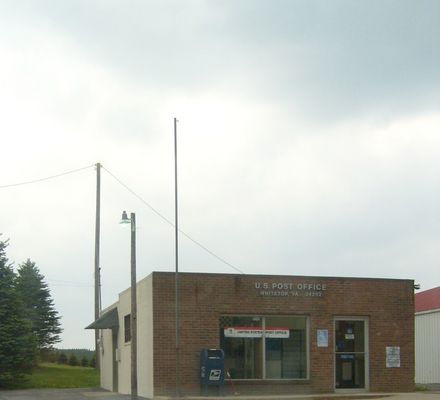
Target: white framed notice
(393, 356)
(322, 337)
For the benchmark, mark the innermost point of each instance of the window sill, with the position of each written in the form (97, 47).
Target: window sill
(270, 381)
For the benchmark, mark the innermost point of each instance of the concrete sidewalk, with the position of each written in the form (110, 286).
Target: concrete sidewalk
(61, 394)
(416, 396)
(98, 394)
(426, 395)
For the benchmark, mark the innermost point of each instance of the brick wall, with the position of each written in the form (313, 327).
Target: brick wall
(388, 305)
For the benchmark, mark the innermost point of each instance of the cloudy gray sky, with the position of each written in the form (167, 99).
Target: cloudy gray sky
(309, 139)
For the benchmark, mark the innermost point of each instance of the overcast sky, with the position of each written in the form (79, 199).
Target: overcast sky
(309, 139)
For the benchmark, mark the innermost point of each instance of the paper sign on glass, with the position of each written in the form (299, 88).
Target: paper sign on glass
(322, 337)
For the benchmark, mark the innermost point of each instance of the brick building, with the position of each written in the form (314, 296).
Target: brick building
(280, 334)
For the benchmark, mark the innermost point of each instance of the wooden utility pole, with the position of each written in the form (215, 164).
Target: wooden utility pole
(97, 269)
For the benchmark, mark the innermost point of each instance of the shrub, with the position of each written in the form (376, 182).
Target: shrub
(62, 358)
(73, 360)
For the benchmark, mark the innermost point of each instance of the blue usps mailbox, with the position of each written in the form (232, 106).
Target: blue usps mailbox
(212, 369)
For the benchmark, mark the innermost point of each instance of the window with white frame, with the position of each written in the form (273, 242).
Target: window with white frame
(265, 347)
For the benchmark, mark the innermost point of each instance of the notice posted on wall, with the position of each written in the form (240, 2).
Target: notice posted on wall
(393, 356)
(322, 337)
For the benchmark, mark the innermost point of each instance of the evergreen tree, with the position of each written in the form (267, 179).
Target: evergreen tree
(73, 360)
(40, 310)
(62, 358)
(92, 361)
(17, 343)
(49, 355)
(84, 361)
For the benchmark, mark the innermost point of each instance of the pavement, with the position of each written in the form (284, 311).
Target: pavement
(98, 394)
(61, 394)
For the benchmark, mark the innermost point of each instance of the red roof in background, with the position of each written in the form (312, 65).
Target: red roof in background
(428, 300)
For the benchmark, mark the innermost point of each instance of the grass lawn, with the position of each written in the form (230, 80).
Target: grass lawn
(48, 375)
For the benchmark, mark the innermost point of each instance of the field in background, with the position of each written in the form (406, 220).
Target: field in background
(48, 375)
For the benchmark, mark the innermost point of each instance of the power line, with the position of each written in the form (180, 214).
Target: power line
(138, 197)
(46, 178)
(171, 223)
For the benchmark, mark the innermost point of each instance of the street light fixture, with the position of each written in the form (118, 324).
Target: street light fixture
(124, 219)
(133, 319)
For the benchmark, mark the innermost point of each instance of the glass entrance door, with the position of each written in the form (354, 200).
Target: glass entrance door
(350, 354)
